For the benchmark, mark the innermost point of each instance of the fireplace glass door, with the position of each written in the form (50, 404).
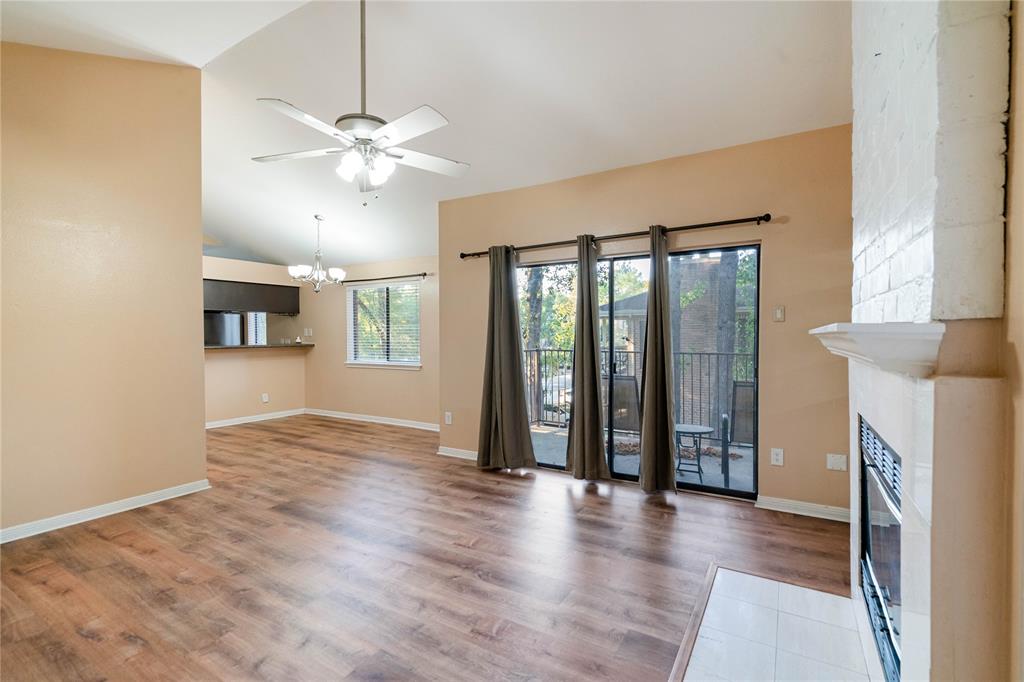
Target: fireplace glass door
(880, 544)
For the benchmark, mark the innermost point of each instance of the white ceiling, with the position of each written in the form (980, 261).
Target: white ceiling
(535, 91)
(189, 33)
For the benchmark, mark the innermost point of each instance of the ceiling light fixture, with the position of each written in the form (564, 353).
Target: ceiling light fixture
(367, 143)
(316, 274)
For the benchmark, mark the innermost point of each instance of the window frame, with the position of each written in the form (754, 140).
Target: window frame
(352, 341)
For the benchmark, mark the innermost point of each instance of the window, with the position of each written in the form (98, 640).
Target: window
(384, 324)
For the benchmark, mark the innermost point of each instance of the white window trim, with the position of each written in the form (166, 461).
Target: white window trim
(384, 365)
(349, 333)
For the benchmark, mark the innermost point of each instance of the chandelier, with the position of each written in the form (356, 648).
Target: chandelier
(316, 274)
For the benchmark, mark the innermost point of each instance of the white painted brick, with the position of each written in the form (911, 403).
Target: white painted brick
(858, 267)
(972, 171)
(976, 291)
(929, 95)
(889, 301)
(971, 83)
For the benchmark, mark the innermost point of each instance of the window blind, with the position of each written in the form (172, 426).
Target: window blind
(384, 323)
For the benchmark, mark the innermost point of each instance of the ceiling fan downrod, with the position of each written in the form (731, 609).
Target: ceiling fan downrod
(362, 57)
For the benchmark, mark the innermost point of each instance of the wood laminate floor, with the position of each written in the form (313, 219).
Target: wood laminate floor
(331, 549)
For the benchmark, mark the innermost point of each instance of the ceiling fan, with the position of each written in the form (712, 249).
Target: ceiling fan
(367, 144)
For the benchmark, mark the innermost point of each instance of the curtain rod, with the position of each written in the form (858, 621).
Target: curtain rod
(421, 275)
(764, 218)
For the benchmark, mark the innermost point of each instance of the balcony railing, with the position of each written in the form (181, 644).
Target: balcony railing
(704, 385)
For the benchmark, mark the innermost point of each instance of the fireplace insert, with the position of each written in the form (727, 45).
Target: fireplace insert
(880, 493)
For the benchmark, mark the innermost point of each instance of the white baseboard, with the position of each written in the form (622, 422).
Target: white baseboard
(819, 511)
(25, 530)
(456, 452)
(253, 418)
(426, 426)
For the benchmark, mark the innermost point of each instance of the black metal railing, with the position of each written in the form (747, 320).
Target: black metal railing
(704, 383)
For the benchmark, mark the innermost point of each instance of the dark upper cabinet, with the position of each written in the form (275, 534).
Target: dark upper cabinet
(220, 295)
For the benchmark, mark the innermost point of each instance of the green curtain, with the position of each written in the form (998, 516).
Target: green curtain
(585, 456)
(504, 422)
(657, 425)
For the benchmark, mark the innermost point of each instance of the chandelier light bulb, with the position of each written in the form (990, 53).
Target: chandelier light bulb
(351, 164)
(377, 176)
(316, 274)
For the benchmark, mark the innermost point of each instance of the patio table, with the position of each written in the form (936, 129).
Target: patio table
(695, 432)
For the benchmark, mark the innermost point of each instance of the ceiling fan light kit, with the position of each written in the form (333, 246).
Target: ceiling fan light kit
(316, 274)
(369, 151)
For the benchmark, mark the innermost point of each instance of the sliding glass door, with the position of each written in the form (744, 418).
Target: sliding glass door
(623, 324)
(713, 302)
(714, 327)
(547, 318)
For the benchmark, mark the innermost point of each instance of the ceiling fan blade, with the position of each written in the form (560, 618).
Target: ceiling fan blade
(308, 154)
(428, 162)
(282, 107)
(417, 122)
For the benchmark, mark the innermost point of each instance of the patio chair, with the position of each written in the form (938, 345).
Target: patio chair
(743, 413)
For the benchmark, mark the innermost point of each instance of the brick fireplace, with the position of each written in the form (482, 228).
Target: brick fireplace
(930, 92)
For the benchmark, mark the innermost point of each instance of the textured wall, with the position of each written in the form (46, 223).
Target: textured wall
(102, 291)
(803, 179)
(929, 97)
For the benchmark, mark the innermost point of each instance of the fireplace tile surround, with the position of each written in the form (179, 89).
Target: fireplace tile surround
(948, 430)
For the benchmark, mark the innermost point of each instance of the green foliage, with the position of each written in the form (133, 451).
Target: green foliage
(553, 296)
(746, 301)
(688, 297)
(372, 309)
(556, 295)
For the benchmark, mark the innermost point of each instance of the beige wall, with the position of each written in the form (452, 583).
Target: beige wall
(235, 379)
(319, 377)
(102, 337)
(803, 180)
(331, 384)
(1013, 349)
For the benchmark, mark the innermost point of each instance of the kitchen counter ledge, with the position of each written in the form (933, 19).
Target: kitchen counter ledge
(269, 345)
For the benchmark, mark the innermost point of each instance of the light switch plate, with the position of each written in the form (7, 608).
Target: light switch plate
(777, 457)
(779, 313)
(448, 418)
(834, 462)
(265, 397)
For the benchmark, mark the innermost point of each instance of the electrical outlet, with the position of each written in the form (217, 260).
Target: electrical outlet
(265, 397)
(777, 457)
(834, 462)
(779, 313)
(448, 418)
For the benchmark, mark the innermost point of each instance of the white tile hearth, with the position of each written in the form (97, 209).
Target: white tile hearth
(748, 588)
(741, 618)
(754, 628)
(822, 606)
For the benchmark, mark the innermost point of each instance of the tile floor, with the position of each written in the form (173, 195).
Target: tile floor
(759, 629)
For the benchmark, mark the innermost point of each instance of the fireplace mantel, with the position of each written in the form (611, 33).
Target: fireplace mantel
(910, 348)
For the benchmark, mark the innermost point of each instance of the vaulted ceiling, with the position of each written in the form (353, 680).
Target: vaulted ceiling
(535, 91)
